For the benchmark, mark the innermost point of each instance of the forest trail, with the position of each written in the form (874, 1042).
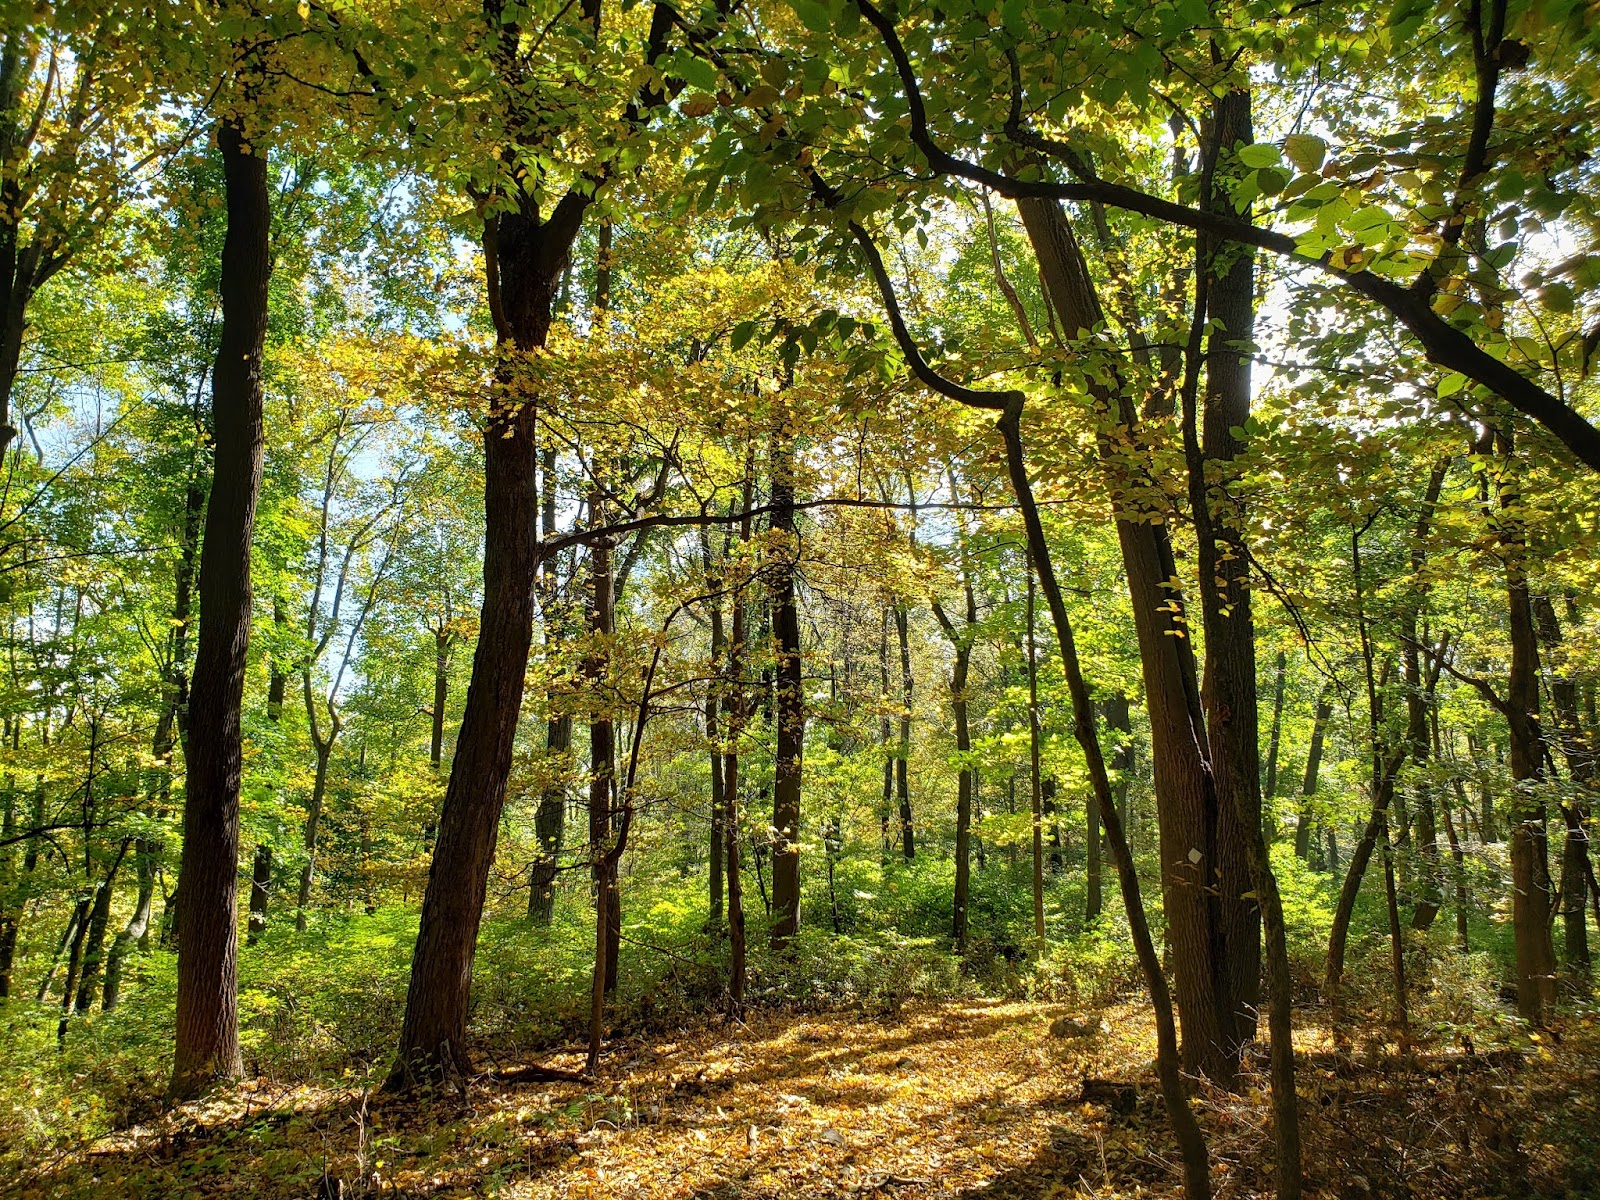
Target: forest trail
(976, 1100)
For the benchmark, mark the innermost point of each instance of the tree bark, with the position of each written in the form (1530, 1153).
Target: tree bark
(206, 1046)
(1531, 901)
(1174, 1092)
(789, 707)
(1035, 772)
(1186, 795)
(1308, 787)
(902, 760)
(260, 893)
(1269, 786)
(1581, 769)
(523, 260)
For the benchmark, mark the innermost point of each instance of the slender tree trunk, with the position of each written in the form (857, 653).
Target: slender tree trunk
(134, 932)
(902, 762)
(206, 1047)
(1174, 1092)
(95, 943)
(964, 790)
(1432, 881)
(718, 796)
(885, 732)
(789, 708)
(1308, 788)
(1115, 708)
(1269, 787)
(738, 712)
(319, 793)
(260, 893)
(10, 907)
(1035, 774)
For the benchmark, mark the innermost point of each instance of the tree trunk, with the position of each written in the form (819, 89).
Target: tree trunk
(1308, 788)
(95, 943)
(1174, 1092)
(713, 734)
(789, 708)
(902, 761)
(1228, 688)
(738, 711)
(1186, 798)
(1581, 768)
(260, 893)
(523, 261)
(1530, 867)
(1269, 787)
(313, 824)
(1035, 772)
(964, 790)
(549, 822)
(206, 1047)
(134, 932)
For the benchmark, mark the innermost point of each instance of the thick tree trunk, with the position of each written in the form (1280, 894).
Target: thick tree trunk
(789, 707)
(1228, 689)
(524, 260)
(1531, 900)
(206, 1047)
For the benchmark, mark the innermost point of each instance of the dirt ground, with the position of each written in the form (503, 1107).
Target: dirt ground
(970, 1100)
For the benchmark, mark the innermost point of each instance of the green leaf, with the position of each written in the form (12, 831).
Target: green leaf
(1451, 384)
(697, 72)
(1263, 154)
(1305, 151)
(814, 17)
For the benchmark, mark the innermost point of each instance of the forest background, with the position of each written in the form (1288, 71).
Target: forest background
(524, 524)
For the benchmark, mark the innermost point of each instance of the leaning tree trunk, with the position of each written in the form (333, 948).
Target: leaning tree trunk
(1186, 795)
(206, 1047)
(1191, 1139)
(523, 261)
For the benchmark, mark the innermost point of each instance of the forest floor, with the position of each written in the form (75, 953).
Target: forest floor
(976, 1100)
